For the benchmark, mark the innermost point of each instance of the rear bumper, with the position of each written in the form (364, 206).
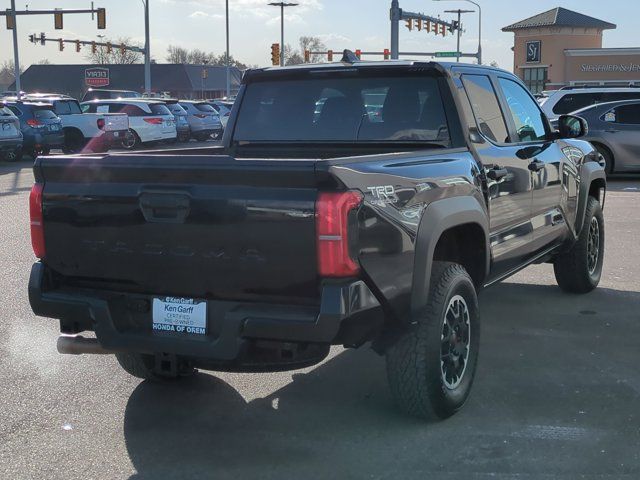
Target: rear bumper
(10, 144)
(50, 140)
(111, 138)
(348, 313)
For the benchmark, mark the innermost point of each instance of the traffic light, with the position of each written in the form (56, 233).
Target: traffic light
(57, 21)
(307, 56)
(32, 38)
(419, 25)
(123, 50)
(11, 20)
(443, 30)
(102, 19)
(43, 38)
(330, 55)
(409, 23)
(109, 47)
(94, 48)
(386, 54)
(454, 26)
(427, 26)
(60, 44)
(275, 54)
(359, 53)
(78, 46)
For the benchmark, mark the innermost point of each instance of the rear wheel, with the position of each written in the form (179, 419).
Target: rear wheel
(431, 368)
(13, 155)
(131, 140)
(579, 270)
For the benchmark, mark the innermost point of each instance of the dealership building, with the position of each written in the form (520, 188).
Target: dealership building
(561, 47)
(178, 80)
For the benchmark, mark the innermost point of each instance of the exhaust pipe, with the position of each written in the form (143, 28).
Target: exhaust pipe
(77, 345)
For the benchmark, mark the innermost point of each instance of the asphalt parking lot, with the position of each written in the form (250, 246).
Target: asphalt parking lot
(556, 393)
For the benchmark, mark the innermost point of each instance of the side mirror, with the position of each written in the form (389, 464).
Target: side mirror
(571, 126)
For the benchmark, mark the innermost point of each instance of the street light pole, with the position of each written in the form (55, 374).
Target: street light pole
(16, 57)
(282, 5)
(147, 49)
(227, 62)
(479, 54)
(395, 29)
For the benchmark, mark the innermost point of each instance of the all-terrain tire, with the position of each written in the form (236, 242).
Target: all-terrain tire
(579, 270)
(419, 379)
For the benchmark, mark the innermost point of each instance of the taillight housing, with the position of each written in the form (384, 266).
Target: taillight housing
(333, 211)
(101, 123)
(36, 217)
(34, 123)
(153, 121)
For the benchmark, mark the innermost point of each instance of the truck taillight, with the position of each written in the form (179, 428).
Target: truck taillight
(101, 123)
(153, 121)
(35, 214)
(332, 228)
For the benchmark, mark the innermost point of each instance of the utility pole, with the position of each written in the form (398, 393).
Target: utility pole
(459, 12)
(395, 15)
(147, 49)
(228, 65)
(282, 5)
(16, 57)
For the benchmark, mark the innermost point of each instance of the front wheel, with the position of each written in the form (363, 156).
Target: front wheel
(579, 270)
(74, 142)
(431, 367)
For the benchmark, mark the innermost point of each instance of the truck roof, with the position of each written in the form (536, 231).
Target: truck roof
(379, 63)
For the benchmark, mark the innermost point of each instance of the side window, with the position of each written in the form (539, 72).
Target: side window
(102, 109)
(525, 112)
(625, 114)
(485, 107)
(15, 110)
(62, 108)
(575, 101)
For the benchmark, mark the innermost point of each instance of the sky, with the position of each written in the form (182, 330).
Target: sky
(254, 26)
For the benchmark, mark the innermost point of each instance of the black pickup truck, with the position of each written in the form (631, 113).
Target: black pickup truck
(350, 203)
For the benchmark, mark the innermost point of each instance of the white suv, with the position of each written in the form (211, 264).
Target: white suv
(570, 99)
(149, 120)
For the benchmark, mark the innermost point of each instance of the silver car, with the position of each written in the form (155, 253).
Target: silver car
(203, 120)
(614, 130)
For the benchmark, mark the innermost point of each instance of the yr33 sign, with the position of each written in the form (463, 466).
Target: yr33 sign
(96, 77)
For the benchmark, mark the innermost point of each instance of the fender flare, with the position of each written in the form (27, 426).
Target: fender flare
(437, 218)
(589, 172)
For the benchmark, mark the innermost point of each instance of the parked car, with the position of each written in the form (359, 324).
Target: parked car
(299, 233)
(41, 127)
(223, 109)
(203, 119)
(570, 99)
(180, 114)
(149, 120)
(95, 132)
(614, 130)
(102, 94)
(10, 135)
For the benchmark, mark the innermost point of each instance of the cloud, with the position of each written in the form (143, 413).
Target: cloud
(201, 14)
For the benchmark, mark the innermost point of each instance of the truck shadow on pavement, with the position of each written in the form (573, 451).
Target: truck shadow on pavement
(554, 394)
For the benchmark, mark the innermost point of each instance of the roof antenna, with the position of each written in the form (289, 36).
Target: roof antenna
(349, 57)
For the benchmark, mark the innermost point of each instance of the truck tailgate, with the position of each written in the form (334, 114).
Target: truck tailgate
(196, 226)
(115, 122)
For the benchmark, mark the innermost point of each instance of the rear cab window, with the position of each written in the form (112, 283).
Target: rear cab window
(361, 108)
(486, 107)
(66, 107)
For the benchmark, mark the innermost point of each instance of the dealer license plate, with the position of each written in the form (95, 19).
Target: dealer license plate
(180, 315)
(116, 134)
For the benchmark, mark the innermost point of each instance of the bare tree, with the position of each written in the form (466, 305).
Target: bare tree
(8, 69)
(128, 57)
(44, 61)
(199, 57)
(313, 44)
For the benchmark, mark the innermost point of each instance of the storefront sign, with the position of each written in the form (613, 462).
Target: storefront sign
(533, 51)
(615, 67)
(96, 77)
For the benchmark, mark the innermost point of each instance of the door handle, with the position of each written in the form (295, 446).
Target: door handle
(536, 165)
(497, 173)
